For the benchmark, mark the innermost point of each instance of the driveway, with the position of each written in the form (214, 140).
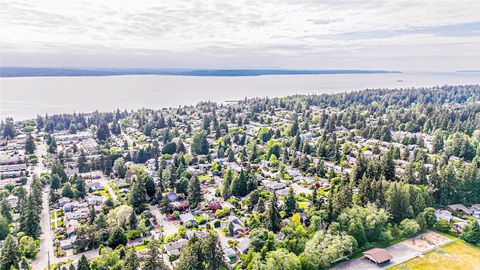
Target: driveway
(168, 226)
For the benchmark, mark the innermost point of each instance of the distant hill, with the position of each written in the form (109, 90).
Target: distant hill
(48, 72)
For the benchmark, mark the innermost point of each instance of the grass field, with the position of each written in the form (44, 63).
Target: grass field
(455, 256)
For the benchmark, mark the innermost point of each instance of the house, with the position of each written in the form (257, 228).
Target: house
(230, 254)
(94, 186)
(188, 219)
(443, 214)
(272, 186)
(236, 228)
(172, 196)
(281, 192)
(13, 168)
(68, 207)
(459, 225)
(95, 200)
(70, 232)
(475, 208)
(66, 244)
(174, 247)
(120, 183)
(12, 200)
(229, 219)
(377, 255)
(77, 214)
(62, 201)
(198, 234)
(243, 245)
(459, 208)
(73, 224)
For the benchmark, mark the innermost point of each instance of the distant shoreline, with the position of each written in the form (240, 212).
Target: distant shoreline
(24, 97)
(11, 72)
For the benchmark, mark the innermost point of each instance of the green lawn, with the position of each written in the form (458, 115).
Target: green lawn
(58, 265)
(140, 247)
(454, 256)
(302, 204)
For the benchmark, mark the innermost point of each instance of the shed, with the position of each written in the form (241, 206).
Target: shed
(377, 255)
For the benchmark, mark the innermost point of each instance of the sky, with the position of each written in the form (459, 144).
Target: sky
(435, 35)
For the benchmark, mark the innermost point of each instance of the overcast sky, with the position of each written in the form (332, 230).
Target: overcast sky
(301, 34)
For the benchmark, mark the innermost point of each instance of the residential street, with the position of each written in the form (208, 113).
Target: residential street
(46, 239)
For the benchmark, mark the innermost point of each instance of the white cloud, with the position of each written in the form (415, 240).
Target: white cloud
(224, 33)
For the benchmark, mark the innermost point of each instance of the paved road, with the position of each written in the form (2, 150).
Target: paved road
(46, 239)
(40, 152)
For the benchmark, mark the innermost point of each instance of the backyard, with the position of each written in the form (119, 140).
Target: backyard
(454, 256)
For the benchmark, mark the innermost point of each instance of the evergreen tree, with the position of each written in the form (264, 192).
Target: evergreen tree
(117, 237)
(132, 220)
(91, 214)
(194, 195)
(213, 253)
(103, 132)
(80, 190)
(182, 185)
(165, 206)
(200, 144)
(153, 259)
(9, 129)
(82, 162)
(226, 191)
(30, 217)
(192, 256)
(320, 169)
(131, 261)
(253, 199)
(30, 145)
(260, 205)
(231, 156)
(137, 197)
(150, 187)
(342, 199)
(254, 157)
(272, 215)
(388, 167)
(297, 143)
(239, 185)
(5, 211)
(67, 190)
(55, 182)
(24, 265)
(290, 203)
(10, 254)
(83, 263)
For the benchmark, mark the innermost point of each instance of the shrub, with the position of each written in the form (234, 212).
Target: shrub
(442, 226)
(133, 234)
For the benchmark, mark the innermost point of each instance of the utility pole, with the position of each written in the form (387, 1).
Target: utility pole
(48, 254)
